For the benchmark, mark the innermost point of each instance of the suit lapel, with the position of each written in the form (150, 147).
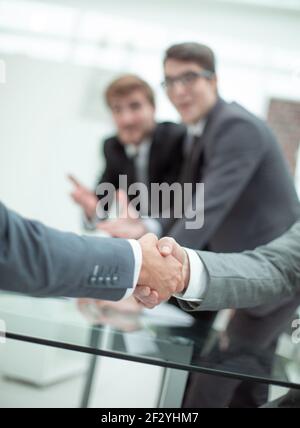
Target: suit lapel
(205, 148)
(194, 165)
(210, 127)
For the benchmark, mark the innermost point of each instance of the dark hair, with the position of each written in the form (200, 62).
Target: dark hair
(126, 84)
(194, 52)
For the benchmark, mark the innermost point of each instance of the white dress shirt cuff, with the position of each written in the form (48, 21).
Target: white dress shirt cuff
(198, 279)
(138, 259)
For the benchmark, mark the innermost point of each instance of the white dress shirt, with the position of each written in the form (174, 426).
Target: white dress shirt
(140, 154)
(138, 259)
(197, 129)
(198, 279)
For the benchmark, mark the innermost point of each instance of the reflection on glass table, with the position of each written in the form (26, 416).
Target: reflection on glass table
(165, 337)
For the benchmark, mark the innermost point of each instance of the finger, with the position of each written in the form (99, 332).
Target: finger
(108, 230)
(74, 180)
(83, 302)
(142, 291)
(115, 229)
(148, 304)
(146, 293)
(151, 301)
(107, 225)
(166, 246)
(154, 296)
(150, 238)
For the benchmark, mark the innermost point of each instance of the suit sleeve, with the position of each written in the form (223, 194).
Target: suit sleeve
(239, 149)
(268, 274)
(43, 262)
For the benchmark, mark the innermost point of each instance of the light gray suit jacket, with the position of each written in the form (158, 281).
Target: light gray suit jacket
(264, 276)
(268, 275)
(39, 261)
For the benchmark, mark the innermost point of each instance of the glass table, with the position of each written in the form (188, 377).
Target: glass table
(165, 337)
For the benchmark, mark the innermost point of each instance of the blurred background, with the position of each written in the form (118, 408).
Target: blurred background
(56, 58)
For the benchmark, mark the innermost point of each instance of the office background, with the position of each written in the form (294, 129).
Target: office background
(56, 58)
(59, 55)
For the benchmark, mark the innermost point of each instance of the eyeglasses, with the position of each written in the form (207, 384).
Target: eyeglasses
(187, 79)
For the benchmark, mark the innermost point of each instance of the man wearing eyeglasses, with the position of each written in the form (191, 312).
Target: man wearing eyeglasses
(249, 196)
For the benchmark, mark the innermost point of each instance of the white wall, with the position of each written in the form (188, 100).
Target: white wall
(44, 136)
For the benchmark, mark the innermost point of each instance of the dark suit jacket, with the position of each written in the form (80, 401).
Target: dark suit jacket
(165, 157)
(250, 200)
(43, 262)
(250, 197)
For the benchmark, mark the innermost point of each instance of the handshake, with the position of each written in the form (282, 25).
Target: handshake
(165, 270)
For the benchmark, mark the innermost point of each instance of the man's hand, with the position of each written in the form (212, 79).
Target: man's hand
(126, 306)
(167, 247)
(161, 276)
(123, 228)
(123, 315)
(128, 225)
(84, 197)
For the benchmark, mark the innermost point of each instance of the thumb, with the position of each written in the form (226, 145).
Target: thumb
(168, 246)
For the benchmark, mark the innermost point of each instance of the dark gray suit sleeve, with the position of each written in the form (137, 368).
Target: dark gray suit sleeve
(238, 152)
(253, 278)
(40, 261)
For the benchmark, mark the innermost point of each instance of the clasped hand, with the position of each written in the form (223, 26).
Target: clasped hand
(164, 272)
